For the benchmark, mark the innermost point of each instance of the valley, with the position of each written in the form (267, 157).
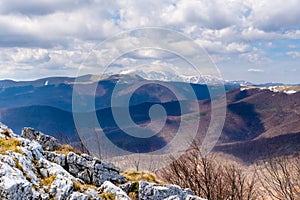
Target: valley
(258, 118)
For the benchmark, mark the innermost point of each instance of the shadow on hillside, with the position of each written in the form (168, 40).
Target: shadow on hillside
(243, 123)
(251, 151)
(139, 115)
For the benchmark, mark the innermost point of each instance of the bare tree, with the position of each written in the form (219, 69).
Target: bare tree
(210, 179)
(280, 177)
(239, 185)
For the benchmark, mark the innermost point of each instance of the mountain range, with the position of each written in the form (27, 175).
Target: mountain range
(57, 91)
(259, 118)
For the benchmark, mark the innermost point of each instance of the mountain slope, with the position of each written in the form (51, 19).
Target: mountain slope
(261, 122)
(256, 115)
(253, 115)
(57, 91)
(60, 124)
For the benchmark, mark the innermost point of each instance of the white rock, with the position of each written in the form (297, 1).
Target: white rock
(27, 166)
(175, 197)
(57, 158)
(192, 197)
(92, 194)
(148, 191)
(8, 132)
(78, 196)
(61, 187)
(7, 159)
(13, 184)
(50, 168)
(36, 149)
(48, 142)
(108, 187)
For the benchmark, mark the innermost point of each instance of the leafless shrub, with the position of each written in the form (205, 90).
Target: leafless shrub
(280, 177)
(210, 179)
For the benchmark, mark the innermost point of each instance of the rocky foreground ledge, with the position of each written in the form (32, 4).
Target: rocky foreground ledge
(37, 166)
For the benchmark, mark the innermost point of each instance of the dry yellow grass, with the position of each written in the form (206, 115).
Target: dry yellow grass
(9, 144)
(136, 176)
(65, 149)
(48, 181)
(107, 196)
(78, 186)
(82, 187)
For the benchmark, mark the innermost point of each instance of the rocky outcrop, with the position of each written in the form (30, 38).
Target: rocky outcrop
(149, 191)
(92, 170)
(30, 169)
(48, 142)
(118, 193)
(13, 184)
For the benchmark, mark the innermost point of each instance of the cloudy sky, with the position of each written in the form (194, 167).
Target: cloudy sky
(252, 40)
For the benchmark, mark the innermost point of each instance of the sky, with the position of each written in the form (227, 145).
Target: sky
(251, 40)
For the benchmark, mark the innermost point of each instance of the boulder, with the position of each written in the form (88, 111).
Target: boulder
(78, 196)
(108, 187)
(128, 187)
(148, 191)
(92, 170)
(26, 166)
(61, 187)
(5, 132)
(92, 194)
(48, 142)
(57, 158)
(13, 184)
(47, 168)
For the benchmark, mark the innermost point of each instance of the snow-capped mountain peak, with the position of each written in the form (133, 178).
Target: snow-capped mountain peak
(176, 77)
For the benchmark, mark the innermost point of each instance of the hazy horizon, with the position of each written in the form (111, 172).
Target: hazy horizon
(62, 76)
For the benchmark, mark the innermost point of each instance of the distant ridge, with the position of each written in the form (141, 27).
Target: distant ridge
(254, 112)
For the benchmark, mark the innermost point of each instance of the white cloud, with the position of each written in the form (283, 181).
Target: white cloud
(217, 58)
(58, 27)
(256, 56)
(216, 14)
(237, 47)
(274, 15)
(36, 62)
(251, 33)
(223, 48)
(270, 44)
(228, 34)
(25, 56)
(54, 36)
(293, 54)
(255, 70)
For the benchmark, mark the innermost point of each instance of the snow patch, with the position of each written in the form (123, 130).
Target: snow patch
(290, 91)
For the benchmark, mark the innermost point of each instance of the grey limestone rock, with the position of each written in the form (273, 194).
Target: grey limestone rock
(92, 170)
(108, 187)
(57, 158)
(48, 142)
(148, 191)
(78, 196)
(13, 184)
(128, 187)
(61, 187)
